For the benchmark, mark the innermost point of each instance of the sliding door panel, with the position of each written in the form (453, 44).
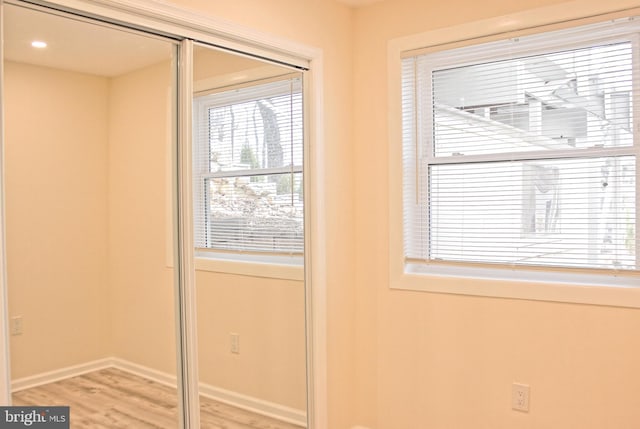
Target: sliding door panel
(89, 133)
(249, 239)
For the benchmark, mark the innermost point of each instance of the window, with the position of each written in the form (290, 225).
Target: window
(248, 168)
(521, 153)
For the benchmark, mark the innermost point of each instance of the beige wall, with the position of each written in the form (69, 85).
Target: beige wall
(140, 282)
(444, 361)
(209, 64)
(56, 205)
(86, 189)
(268, 316)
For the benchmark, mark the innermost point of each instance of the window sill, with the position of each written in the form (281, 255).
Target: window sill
(620, 289)
(274, 267)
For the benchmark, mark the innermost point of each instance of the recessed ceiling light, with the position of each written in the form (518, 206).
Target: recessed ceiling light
(39, 44)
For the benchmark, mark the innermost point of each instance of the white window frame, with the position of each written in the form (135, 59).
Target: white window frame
(578, 286)
(263, 264)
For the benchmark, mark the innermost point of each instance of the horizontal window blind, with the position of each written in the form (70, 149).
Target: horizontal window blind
(248, 168)
(523, 158)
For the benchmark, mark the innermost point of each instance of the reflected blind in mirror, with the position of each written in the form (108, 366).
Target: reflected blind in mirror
(248, 166)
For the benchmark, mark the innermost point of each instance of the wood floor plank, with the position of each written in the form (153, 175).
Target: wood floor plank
(112, 399)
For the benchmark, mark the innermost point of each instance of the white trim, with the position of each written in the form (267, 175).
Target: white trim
(239, 400)
(5, 371)
(557, 289)
(315, 257)
(254, 268)
(581, 293)
(160, 377)
(255, 405)
(60, 374)
(635, 43)
(186, 285)
(169, 170)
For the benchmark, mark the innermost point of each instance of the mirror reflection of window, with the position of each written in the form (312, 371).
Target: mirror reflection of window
(249, 235)
(249, 168)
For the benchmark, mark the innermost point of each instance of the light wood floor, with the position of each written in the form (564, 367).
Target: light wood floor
(111, 398)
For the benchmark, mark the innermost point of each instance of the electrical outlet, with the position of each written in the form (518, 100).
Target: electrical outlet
(16, 325)
(520, 397)
(235, 343)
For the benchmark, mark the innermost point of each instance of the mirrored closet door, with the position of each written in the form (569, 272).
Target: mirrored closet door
(89, 129)
(108, 312)
(249, 237)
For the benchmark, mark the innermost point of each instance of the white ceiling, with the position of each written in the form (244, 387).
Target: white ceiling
(77, 45)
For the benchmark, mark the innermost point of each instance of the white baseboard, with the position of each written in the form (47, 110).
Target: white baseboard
(144, 371)
(59, 374)
(249, 403)
(259, 406)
